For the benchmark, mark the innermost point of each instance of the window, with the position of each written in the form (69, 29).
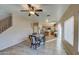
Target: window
(69, 30)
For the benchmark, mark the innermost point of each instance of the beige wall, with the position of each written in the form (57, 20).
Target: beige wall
(78, 32)
(71, 11)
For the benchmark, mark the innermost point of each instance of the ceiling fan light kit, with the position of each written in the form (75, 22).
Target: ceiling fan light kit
(32, 12)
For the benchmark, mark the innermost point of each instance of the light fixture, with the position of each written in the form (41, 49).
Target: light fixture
(46, 20)
(32, 12)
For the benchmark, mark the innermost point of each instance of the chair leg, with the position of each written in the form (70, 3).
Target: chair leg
(44, 43)
(31, 45)
(35, 46)
(38, 44)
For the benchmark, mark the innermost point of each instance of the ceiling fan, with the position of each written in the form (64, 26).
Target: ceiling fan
(32, 10)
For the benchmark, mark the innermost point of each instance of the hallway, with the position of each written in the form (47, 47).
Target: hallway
(53, 47)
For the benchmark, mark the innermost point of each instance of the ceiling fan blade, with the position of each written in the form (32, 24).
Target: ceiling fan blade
(36, 14)
(24, 10)
(29, 14)
(29, 5)
(39, 10)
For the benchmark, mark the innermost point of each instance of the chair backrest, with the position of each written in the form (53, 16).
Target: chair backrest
(33, 40)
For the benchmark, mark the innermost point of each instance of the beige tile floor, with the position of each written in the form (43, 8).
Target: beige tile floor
(52, 47)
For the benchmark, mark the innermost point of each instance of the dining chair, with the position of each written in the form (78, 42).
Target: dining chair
(42, 39)
(33, 42)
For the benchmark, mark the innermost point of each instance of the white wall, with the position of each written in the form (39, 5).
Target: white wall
(3, 14)
(21, 28)
(69, 30)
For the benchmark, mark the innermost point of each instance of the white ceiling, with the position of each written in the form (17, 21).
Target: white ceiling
(55, 10)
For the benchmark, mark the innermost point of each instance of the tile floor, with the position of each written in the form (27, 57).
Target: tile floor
(52, 47)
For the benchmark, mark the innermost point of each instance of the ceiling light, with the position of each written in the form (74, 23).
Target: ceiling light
(32, 12)
(47, 21)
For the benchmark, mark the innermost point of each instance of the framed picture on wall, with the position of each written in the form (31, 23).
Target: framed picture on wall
(5, 23)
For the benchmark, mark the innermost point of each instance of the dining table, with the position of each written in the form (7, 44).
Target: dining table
(40, 37)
